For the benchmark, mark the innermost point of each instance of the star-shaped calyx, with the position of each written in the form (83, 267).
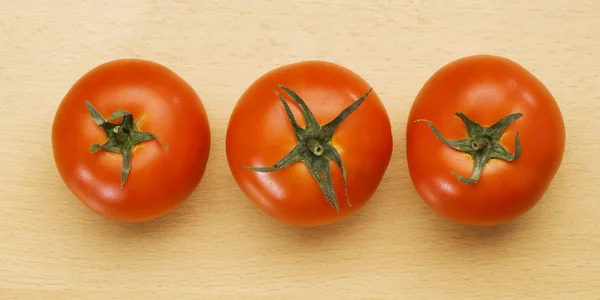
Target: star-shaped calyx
(314, 146)
(482, 143)
(121, 137)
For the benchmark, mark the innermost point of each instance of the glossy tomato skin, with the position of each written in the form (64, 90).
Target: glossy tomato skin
(485, 88)
(260, 134)
(160, 179)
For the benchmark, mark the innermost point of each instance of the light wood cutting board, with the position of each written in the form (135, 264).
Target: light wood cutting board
(217, 245)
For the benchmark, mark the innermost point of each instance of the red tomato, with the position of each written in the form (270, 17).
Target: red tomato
(485, 139)
(159, 126)
(292, 131)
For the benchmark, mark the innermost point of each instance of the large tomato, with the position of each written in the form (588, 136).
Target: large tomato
(309, 142)
(131, 139)
(485, 139)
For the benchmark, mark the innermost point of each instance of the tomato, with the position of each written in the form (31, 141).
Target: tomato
(131, 140)
(485, 139)
(309, 143)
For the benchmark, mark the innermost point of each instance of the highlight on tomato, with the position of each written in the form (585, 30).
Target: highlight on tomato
(485, 139)
(131, 140)
(309, 143)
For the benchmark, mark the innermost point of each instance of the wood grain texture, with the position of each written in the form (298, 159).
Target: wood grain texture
(217, 245)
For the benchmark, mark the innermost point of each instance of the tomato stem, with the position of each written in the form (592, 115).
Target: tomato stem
(121, 133)
(121, 137)
(314, 146)
(482, 143)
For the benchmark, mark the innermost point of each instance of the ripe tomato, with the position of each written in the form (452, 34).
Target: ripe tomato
(136, 111)
(485, 139)
(309, 143)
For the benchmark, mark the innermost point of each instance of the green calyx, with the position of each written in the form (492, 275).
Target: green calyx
(314, 146)
(121, 137)
(482, 143)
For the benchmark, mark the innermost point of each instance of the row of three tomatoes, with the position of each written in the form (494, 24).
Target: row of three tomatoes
(310, 142)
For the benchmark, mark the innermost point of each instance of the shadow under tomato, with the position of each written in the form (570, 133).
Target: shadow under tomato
(456, 235)
(180, 217)
(318, 237)
(487, 232)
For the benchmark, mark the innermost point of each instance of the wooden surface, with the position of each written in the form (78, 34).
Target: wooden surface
(218, 245)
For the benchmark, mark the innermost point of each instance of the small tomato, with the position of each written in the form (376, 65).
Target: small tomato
(131, 140)
(309, 143)
(485, 139)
